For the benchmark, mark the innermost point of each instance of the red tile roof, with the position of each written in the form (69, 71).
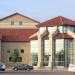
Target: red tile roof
(16, 35)
(56, 22)
(62, 36)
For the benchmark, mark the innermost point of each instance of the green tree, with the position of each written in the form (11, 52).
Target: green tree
(15, 55)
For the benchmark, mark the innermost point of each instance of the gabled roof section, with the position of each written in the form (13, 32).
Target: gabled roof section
(20, 15)
(57, 21)
(16, 35)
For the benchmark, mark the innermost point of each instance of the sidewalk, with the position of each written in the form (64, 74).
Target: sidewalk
(51, 70)
(39, 70)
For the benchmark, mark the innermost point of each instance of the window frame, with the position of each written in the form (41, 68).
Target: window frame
(20, 23)
(22, 51)
(12, 22)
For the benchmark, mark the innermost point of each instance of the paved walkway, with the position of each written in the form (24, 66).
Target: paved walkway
(42, 70)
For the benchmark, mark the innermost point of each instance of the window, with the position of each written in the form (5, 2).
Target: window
(52, 30)
(46, 59)
(69, 51)
(19, 59)
(61, 29)
(10, 59)
(74, 29)
(34, 47)
(71, 28)
(59, 53)
(46, 46)
(12, 22)
(8, 51)
(34, 59)
(20, 22)
(22, 50)
(34, 52)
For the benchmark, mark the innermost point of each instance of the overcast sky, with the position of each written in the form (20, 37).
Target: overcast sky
(40, 10)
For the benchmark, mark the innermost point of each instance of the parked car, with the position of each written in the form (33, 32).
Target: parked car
(2, 67)
(71, 68)
(23, 67)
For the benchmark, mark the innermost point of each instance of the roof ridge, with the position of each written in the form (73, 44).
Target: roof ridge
(60, 17)
(21, 15)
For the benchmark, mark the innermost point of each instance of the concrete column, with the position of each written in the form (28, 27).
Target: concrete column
(0, 51)
(50, 53)
(40, 53)
(74, 52)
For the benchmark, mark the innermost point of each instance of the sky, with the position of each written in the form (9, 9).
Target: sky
(39, 10)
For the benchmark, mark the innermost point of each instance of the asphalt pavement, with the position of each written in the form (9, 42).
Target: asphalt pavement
(35, 73)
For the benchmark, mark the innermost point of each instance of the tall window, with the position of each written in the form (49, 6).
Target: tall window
(34, 46)
(34, 52)
(34, 59)
(46, 52)
(59, 59)
(64, 54)
(46, 46)
(69, 51)
(46, 60)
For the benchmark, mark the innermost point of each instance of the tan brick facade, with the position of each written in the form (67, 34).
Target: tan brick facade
(16, 45)
(16, 18)
(5, 46)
